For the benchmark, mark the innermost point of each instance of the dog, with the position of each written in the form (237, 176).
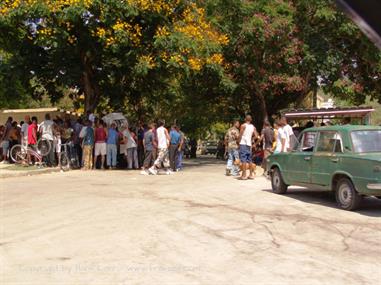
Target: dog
(238, 163)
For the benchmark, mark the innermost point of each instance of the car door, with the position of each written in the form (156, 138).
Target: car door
(326, 158)
(299, 160)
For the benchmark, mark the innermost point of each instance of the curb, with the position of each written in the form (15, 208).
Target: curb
(27, 173)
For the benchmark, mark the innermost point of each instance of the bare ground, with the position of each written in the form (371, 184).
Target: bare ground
(194, 227)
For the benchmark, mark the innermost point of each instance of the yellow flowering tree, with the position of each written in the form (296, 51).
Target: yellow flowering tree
(109, 49)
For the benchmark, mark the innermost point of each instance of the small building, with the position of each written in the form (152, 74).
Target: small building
(363, 114)
(19, 114)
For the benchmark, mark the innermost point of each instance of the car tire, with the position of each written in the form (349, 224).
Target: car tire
(277, 183)
(347, 197)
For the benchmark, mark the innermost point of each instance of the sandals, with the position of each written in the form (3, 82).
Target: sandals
(242, 178)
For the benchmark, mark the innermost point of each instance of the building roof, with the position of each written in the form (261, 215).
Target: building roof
(347, 128)
(358, 112)
(34, 110)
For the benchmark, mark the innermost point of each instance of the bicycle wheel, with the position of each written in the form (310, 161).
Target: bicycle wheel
(18, 153)
(43, 147)
(65, 161)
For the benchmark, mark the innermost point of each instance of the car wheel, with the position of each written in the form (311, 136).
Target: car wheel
(347, 197)
(277, 183)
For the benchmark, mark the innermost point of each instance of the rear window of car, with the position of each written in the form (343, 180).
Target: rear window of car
(366, 140)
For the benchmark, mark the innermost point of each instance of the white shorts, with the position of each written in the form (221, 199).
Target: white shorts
(24, 141)
(57, 145)
(100, 149)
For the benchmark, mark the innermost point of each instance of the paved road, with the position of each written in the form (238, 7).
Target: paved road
(195, 227)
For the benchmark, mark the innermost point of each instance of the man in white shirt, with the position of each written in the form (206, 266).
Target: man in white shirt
(46, 131)
(289, 133)
(163, 140)
(247, 133)
(24, 131)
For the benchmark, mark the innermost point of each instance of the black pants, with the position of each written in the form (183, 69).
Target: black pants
(78, 150)
(141, 155)
(49, 159)
(173, 153)
(11, 144)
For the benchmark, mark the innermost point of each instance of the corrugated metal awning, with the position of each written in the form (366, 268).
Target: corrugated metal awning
(360, 112)
(34, 110)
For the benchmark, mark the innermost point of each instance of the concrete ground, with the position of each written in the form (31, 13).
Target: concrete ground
(17, 170)
(194, 227)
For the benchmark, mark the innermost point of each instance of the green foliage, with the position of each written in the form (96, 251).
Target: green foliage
(112, 51)
(171, 59)
(263, 57)
(280, 51)
(337, 54)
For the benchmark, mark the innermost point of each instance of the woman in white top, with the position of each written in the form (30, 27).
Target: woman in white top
(131, 149)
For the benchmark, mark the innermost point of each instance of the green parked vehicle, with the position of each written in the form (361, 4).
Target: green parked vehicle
(344, 159)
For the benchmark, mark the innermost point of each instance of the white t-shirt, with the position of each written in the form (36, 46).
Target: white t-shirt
(130, 141)
(162, 140)
(92, 117)
(288, 132)
(280, 137)
(24, 130)
(247, 135)
(46, 129)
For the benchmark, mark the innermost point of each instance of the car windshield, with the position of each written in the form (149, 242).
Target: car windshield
(366, 141)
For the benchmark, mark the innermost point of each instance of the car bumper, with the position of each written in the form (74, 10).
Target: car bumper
(374, 186)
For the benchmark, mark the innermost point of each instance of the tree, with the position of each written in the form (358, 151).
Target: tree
(263, 55)
(281, 50)
(337, 55)
(109, 50)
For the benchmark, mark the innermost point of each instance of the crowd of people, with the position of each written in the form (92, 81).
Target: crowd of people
(243, 140)
(245, 147)
(92, 144)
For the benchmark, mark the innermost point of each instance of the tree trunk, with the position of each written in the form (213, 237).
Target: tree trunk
(314, 97)
(90, 86)
(304, 92)
(259, 111)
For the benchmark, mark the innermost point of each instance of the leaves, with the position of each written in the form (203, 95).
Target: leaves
(109, 47)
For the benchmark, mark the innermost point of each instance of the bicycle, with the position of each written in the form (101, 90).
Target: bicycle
(20, 153)
(68, 159)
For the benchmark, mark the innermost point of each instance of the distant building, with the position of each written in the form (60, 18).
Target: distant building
(329, 104)
(19, 114)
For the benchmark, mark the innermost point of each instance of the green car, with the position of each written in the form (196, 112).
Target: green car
(344, 159)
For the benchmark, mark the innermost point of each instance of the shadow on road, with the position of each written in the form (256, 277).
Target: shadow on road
(202, 161)
(369, 207)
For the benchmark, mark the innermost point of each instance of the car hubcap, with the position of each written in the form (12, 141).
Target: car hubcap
(345, 194)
